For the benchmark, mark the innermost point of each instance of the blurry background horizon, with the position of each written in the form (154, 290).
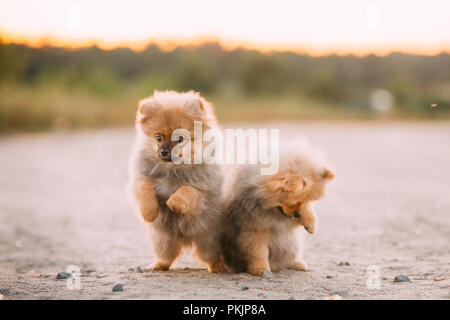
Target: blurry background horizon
(73, 64)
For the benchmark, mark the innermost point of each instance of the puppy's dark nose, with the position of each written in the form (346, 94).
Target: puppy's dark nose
(297, 214)
(164, 153)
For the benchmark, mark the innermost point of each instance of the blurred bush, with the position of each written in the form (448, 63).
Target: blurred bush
(48, 87)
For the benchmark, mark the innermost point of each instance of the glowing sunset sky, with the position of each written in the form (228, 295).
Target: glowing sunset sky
(316, 27)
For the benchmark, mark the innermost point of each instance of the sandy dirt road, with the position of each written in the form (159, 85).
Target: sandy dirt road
(62, 203)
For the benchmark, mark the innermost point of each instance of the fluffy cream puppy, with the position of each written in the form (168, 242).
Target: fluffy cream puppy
(182, 203)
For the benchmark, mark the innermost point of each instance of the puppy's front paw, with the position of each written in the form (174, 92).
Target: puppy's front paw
(178, 204)
(310, 227)
(149, 211)
(146, 199)
(308, 219)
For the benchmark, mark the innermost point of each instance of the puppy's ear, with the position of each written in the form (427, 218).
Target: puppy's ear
(275, 184)
(195, 106)
(327, 174)
(147, 105)
(288, 183)
(293, 183)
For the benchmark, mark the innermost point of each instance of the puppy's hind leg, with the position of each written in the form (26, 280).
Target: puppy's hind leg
(255, 247)
(291, 253)
(166, 251)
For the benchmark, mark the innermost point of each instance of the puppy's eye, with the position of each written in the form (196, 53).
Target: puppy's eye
(158, 138)
(180, 139)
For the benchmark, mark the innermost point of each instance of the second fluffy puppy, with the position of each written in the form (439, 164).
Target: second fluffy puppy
(263, 211)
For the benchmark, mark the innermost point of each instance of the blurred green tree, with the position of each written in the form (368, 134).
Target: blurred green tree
(12, 63)
(262, 74)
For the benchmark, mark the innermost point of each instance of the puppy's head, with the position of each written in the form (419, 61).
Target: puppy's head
(165, 124)
(300, 180)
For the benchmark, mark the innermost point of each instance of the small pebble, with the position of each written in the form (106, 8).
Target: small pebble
(343, 263)
(260, 294)
(341, 293)
(102, 275)
(334, 297)
(401, 278)
(34, 274)
(244, 288)
(242, 276)
(63, 275)
(118, 287)
(131, 269)
(4, 291)
(440, 279)
(329, 277)
(139, 270)
(266, 274)
(291, 298)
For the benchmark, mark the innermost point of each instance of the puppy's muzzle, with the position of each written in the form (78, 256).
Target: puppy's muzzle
(165, 153)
